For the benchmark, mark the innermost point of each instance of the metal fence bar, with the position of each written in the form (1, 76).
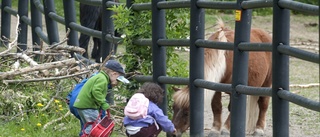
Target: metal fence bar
(85, 30)
(173, 4)
(10, 10)
(280, 73)
(143, 78)
(25, 20)
(70, 16)
(247, 46)
(299, 100)
(173, 80)
(214, 44)
(41, 35)
(106, 47)
(23, 33)
(113, 39)
(173, 42)
(240, 71)
(110, 4)
(141, 6)
(197, 19)
(36, 22)
(91, 2)
(298, 53)
(159, 52)
(299, 6)
(57, 18)
(221, 87)
(217, 4)
(256, 4)
(143, 42)
(51, 25)
(38, 5)
(5, 21)
(258, 91)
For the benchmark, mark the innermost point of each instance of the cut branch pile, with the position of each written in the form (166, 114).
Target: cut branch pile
(51, 62)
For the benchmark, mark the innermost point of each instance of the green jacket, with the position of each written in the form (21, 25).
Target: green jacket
(93, 93)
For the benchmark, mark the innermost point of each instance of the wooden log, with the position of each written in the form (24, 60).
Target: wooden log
(31, 62)
(39, 67)
(43, 79)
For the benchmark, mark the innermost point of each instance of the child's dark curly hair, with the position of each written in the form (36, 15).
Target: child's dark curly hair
(152, 91)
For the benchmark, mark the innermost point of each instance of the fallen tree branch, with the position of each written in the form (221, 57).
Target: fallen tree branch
(44, 79)
(59, 90)
(49, 54)
(70, 48)
(56, 120)
(44, 66)
(304, 85)
(31, 62)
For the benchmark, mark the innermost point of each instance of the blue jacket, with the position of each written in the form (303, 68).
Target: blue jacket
(155, 112)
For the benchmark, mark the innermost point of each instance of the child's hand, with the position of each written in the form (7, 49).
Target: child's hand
(174, 131)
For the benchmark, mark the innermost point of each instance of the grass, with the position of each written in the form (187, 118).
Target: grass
(305, 72)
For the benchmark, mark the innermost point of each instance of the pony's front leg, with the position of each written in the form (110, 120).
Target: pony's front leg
(216, 106)
(263, 103)
(226, 127)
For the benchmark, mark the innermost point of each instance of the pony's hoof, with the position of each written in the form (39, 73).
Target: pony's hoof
(225, 132)
(258, 132)
(214, 133)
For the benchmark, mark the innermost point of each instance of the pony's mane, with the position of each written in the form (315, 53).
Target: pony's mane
(181, 97)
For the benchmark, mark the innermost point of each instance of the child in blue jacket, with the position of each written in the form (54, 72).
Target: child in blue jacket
(155, 121)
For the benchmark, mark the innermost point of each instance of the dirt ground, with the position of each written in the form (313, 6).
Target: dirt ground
(304, 33)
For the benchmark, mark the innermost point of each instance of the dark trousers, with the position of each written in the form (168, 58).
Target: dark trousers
(150, 131)
(90, 16)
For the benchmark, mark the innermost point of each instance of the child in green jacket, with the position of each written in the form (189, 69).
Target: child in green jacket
(92, 96)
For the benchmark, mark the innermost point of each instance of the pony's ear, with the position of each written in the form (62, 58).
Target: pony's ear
(176, 88)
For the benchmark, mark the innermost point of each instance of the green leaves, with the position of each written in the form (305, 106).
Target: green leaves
(137, 25)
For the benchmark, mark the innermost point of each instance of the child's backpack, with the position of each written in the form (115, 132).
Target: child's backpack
(72, 96)
(137, 106)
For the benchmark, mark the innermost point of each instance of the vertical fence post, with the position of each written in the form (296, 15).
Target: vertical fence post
(36, 21)
(159, 52)
(70, 16)
(196, 70)
(23, 34)
(240, 71)
(5, 21)
(52, 27)
(280, 70)
(106, 28)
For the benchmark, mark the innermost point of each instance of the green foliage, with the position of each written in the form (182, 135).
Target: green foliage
(137, 25)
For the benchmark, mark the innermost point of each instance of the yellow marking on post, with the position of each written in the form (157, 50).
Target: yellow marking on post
(238, 15)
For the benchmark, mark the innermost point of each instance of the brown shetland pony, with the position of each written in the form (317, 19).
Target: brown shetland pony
(218, 68)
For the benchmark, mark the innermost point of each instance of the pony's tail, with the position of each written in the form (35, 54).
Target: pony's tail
(220, 24)
(252, 113)
(220, 29)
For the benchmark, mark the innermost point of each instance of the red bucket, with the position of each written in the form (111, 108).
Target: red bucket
(103, 128)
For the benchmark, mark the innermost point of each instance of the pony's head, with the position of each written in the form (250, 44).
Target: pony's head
(181, 110)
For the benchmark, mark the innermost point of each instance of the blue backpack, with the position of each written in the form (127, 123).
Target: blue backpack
(72, 96)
